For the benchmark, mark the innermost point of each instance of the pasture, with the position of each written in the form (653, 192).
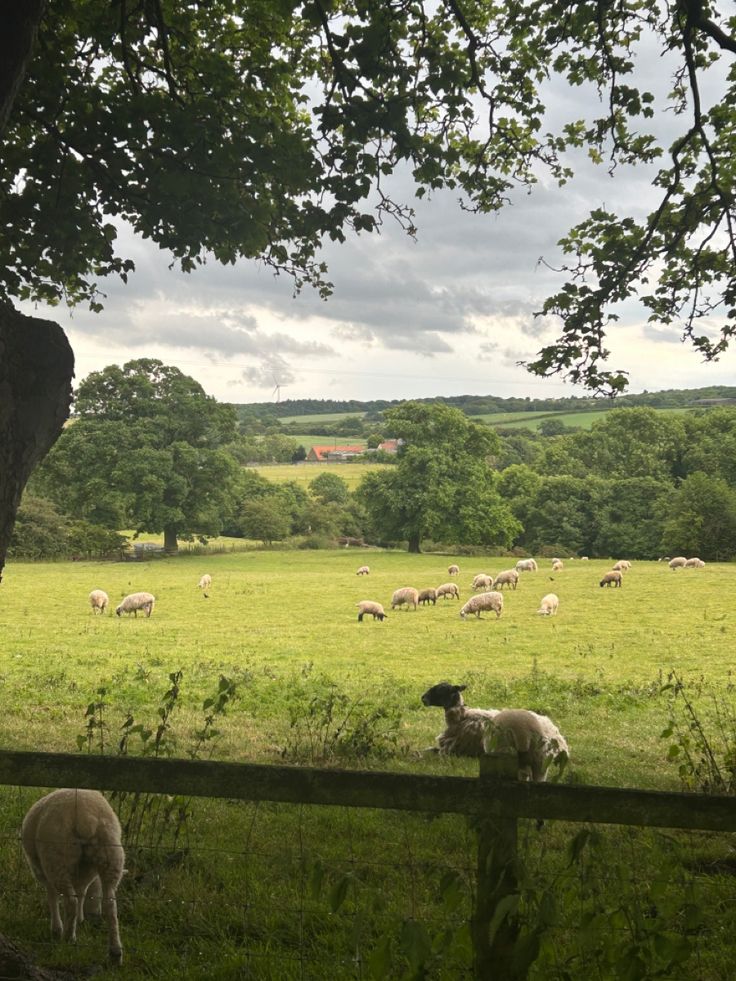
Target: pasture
(282, 626)
(304, 473)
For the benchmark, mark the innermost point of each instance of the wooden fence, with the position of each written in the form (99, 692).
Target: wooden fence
(496, 800)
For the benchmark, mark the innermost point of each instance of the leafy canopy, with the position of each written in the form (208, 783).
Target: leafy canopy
(257, 129)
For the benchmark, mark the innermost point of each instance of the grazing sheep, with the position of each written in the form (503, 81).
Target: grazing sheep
(549, 604)
(613, 578)
(584, 558)
(71, 839)
(665, 558)
(135, 602)
(364, 570)
(557, 565)
(483, 601)
(98, 600)
(526, 565)
(679, 562)
(453, 570)
(509, 577)
(694, 564)
(448, 589)
(205, 582)
(622, 566)
(473, 732)
(482, 581)
(406, 594)
(368, 606)
(428, 596)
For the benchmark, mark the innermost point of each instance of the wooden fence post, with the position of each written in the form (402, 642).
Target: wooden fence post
(495, 917)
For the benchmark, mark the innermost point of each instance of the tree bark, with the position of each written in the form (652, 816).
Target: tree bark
(19, 31)
(170, 542)
(414, 544)
(36, 371)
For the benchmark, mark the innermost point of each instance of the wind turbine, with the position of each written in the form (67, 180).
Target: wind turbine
(277, 390)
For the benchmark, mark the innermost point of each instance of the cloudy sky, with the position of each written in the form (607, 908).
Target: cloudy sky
(448, 314)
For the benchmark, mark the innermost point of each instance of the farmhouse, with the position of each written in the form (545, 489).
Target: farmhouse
(390, 445)
(323, 454)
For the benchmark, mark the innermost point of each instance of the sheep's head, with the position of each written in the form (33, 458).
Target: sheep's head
(444, 695)
(119, 609)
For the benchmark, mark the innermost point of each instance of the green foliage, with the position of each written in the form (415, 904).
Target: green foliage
(42, 532)
(701, 518)
(264, 519)
(329, 489)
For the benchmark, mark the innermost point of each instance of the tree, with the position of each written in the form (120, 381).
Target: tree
(189, 122)
(702, 519)
(329, 488)
(144, 453)
(442, 486)
(264, 519)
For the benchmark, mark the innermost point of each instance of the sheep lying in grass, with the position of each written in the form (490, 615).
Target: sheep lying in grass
(483, 601)
(453, 570)
(694, 564)
(472, 732)
(449, 590)
(679, 562)
(135, 602)
(509, 577)
(428, 596)
(98, 600)
(548, 606)
(613, 578)
(526, 565)
(368, 606)
(71, 839)
(364, 570)
(482, 581)
(406, 595)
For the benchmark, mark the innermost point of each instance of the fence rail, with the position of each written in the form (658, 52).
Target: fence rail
(495, 800)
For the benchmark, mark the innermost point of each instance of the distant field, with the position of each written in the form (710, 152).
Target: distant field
(308, 440)
(303, 473)
(327, 417)
(532, 420)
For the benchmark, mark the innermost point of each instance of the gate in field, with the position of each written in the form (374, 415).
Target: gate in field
(495, 802)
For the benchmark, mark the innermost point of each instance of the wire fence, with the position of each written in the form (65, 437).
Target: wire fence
(230, 887)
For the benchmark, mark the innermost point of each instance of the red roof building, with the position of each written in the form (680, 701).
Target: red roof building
(322, 454)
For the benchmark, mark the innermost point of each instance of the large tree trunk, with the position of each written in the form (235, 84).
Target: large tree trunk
(414, 543)
(170, 542)
(20, 22)
(36, 371)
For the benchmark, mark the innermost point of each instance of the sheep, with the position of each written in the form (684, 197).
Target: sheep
(483, 601)
(509, 577)
(364, 570)
(448, 590)
(453, 570)
(622, 566)
(549, 604)
(614, 578)
(368, 606)
(98, 600)
(482, 581)
(557, 565)
(526, 565)
(428, 596)
(135, 602)
(584, 558)
(694, 564)
(205, 582)
(407, 595)
(474, 732)
(679, 562)
(71, 839)
(664, 558)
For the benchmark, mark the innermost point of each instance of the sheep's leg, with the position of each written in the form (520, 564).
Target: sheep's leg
(110, 905)
(53, 898)
(71, 911)
(91, 898)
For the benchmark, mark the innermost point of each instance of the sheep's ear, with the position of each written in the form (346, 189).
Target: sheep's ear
(460, 687)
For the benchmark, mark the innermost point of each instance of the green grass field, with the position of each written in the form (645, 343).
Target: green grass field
(532, 420)
(308, 440)
(320, 418)
(304, 473)
(282, 626)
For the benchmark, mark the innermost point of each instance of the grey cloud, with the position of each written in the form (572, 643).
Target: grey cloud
(271, 373)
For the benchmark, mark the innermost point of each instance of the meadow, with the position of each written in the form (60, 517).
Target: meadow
(304, 473)
(282, 627)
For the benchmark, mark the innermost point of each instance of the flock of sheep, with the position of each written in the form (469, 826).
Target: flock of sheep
(99, 600)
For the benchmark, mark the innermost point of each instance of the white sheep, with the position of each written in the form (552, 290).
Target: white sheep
(483, 601)
(428, 596)
(482, 581)
(526, 565)
(694, 564)
(375, 609)
(679, 562)
(622, 566)
(473, 732)
(448, 590)
(509, 577)
(364, 570)
(453, 570)
(135, 602)
(205, 582)
(613, 578)
(549, 604)
(584, 558)
(71, 839)
(557, 565)
(98, 600)
(406, 595)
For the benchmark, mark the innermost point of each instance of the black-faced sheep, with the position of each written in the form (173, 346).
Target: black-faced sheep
(71, 839)
(406, 595)
(428, 596)
(483, 601)
(449, 590)
(612, 579)
(464, 727)
(368, 606)
(135, 602)
(549, 604)
(98, 600)
(509, 577)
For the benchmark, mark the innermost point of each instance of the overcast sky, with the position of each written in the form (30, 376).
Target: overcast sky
(448, 314)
